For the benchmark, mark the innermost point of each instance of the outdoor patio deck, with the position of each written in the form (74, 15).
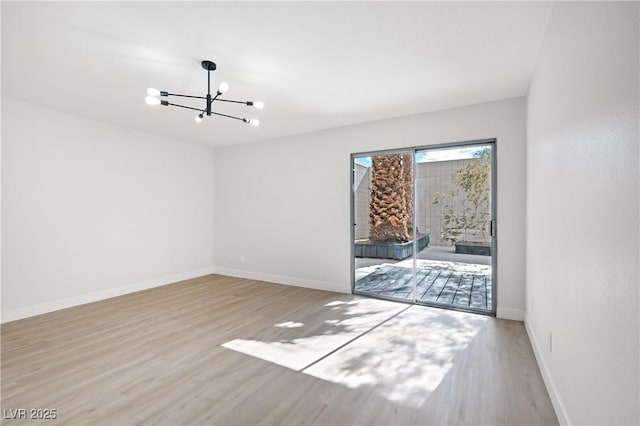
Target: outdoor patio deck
(460, 285)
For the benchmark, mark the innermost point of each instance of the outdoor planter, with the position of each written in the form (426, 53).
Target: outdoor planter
(396, 251)
(473, 247)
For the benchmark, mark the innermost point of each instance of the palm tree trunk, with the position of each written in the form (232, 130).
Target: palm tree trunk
(390, 208)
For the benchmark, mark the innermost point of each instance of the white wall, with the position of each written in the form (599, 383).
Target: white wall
(282, 206)
(91, 210)
(582, 212)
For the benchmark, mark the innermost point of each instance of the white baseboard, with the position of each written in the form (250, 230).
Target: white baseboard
(281, 279)
(510, 314)
(558, 406)
(67, 302)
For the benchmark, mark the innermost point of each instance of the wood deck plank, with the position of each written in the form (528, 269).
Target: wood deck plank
(478, 293)
(388, 280)
(434, 292)
(436, 285)
(463, 295)
(449, 290)
(425, 284)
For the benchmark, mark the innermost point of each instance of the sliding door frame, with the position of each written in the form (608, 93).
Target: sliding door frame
(494, 216)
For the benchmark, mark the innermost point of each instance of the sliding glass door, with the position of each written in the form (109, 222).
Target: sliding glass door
(424, 225)
(383, 225)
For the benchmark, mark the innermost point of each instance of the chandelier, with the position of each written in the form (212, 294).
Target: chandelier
(154, 94)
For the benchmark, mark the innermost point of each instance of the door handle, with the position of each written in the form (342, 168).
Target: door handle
(492, 228)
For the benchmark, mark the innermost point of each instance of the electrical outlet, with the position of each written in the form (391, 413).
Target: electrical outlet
(242, 259)
(229, 259)
(550, 341)
(533, 304)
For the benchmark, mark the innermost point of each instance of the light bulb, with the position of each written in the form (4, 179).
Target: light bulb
(153, 92)
(150, 100)
(258, 104)
(254, 122)
(199, 118)
(223, 88)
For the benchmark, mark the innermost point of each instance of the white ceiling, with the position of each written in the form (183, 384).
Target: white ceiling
(315, 65)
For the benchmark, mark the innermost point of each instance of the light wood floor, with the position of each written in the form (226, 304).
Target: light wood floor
(221, 350)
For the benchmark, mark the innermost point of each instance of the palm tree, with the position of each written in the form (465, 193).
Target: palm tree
(391, 207)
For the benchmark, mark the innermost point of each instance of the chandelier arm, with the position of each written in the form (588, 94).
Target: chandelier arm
(217, 113)
(230, 116)
(187, 96)
(235, 102)
(182, 106)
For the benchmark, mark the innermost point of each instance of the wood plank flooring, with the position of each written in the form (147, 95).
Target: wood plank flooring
(221, 350)
(437, 283)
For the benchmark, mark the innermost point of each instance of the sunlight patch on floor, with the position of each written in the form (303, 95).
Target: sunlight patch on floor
(295, 345)
(405, 359)
(289, 324)
(295, 354)
(402, 358)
